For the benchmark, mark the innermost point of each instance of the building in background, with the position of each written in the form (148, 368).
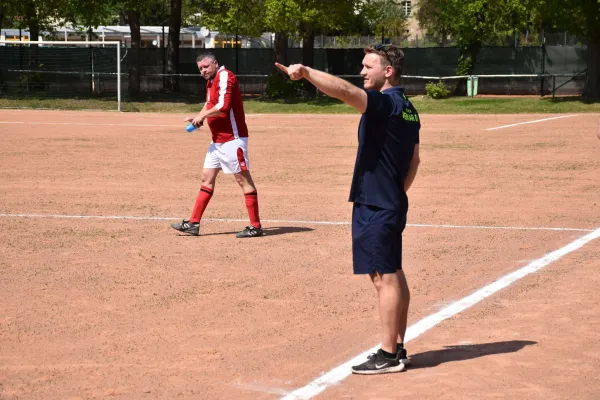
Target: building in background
(410, 10)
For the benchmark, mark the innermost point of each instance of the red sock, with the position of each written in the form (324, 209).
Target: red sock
(201, 202)
(252, 206)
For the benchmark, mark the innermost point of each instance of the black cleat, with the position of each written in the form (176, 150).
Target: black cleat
(402, 356)
(250, 231)
(378, 364)
(185, 226)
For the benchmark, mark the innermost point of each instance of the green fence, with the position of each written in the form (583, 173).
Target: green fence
(63, 71)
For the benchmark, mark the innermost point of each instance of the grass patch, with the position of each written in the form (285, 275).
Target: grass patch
(321, 105)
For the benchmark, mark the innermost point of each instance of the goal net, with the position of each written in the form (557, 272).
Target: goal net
(61, 70)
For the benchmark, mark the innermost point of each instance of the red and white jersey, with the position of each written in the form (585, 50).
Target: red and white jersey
(223, 92)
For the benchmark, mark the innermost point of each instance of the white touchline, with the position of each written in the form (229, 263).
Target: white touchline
(92, 124)
(285, 221)
(530, 122)
(341, 372)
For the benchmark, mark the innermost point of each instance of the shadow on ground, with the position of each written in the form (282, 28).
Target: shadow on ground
(434, 358)
(270, 231)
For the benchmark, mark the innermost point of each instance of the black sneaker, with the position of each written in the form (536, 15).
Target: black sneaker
(378, 364)
(185, 226)
(250, 231)
(402, 356)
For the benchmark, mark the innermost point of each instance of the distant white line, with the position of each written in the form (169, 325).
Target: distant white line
(530, 122)
(524, 228)
(340, 373)
(285, 221)
(90, 124)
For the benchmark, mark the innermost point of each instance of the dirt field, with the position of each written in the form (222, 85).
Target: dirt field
(102, 299)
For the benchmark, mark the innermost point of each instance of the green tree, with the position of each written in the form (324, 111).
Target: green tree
(173, 48)
(579, 17)
(386, 17)
(241, 17)
(32, 15)
(472, 23)
(306, 18)
(435, 18)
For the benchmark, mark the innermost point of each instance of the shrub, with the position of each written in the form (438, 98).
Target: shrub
(437, 90)
(280, 86)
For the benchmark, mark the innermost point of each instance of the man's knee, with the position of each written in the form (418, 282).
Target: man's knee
(244, 179)
(376, 279)
(209, 177)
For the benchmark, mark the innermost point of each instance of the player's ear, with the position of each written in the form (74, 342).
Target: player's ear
(389, 71)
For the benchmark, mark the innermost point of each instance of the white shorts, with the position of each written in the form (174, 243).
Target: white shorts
(231, 157)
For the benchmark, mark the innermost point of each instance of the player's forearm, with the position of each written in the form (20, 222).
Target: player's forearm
(331, 85)
(412, 174)
(208, 113)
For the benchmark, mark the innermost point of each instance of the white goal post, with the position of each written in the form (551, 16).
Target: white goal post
(12, 64)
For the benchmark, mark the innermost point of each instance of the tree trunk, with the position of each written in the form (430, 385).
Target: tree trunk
(592, 83)
(173, 49)
(133, 19)
(281, 48)
(471, 52)
(308, 53)
(31, 19)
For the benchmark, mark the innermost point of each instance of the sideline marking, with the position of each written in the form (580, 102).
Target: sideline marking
(530, 122)
(90, 124)
(341, 372)
(285, 221)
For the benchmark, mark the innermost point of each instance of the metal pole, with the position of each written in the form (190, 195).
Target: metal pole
(119, 77)
(163, 50)
(237, 64)
(543, 62)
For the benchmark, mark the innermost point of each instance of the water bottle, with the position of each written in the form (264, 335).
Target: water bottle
(190, 128)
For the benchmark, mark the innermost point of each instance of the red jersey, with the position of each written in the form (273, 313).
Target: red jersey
(223, 92)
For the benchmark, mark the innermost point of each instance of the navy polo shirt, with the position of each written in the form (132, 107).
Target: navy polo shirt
(387, 135)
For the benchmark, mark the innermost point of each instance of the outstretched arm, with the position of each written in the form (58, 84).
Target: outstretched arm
(330, 85)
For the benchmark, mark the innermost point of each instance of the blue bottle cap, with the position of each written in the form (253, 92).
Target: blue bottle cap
(190, 128)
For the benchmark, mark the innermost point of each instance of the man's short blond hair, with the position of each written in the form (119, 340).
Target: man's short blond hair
(389, 55)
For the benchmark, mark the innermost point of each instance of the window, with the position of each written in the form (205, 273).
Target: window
(406, 6)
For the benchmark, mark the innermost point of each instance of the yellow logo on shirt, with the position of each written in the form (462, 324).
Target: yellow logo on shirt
(407, 115)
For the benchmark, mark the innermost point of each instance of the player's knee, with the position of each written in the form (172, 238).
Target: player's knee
(376, 279)
(208, 179)
(240, 179)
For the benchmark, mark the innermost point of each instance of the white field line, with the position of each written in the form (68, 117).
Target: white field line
(530, 122)
(341, 372)
(91, 124)
(283, 221)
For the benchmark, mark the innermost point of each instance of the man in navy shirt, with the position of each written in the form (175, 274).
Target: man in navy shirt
(386, 166)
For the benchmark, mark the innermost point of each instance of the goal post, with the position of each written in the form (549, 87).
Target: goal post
(61, 69)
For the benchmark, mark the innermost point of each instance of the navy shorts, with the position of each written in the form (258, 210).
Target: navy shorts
(377, 239)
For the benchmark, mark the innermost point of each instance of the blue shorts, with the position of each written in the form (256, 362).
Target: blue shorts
(377, 239)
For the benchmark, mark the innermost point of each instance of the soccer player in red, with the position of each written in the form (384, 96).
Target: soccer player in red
(228, 151)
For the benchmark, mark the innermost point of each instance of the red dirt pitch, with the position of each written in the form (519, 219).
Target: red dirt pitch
(125, 308)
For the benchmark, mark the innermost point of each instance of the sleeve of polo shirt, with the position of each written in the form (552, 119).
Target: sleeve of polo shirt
(226, 82)
(379, 104)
